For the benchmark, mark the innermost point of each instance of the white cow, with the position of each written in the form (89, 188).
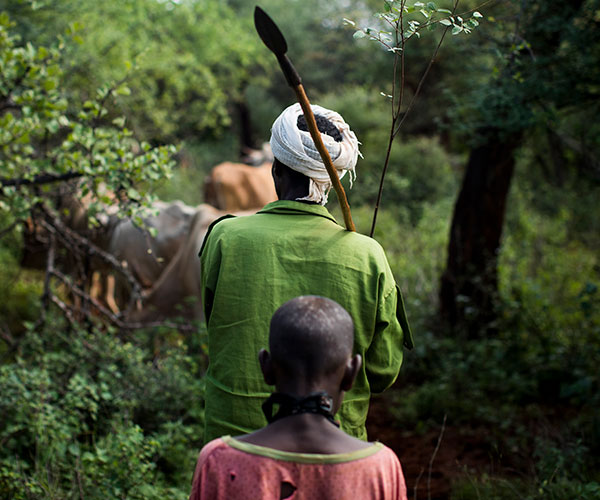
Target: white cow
(177, 291)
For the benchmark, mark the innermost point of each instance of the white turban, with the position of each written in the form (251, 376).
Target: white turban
(295, 148)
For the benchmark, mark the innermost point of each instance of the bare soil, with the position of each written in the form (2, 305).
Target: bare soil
(429, 474)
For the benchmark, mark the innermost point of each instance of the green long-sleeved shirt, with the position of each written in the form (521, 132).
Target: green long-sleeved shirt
(252, 265)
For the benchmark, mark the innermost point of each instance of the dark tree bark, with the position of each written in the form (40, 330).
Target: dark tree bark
(245, 128)
(469, 284)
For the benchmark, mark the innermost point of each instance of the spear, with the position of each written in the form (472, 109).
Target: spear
(274, 40)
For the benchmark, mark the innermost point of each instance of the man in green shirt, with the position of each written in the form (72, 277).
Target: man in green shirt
(252, 265)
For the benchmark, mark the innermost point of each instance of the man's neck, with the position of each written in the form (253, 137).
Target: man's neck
(294, 196)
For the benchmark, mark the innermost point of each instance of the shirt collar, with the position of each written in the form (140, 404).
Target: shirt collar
(291, 207)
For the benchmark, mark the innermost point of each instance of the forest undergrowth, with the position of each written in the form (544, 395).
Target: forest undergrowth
(91, 412)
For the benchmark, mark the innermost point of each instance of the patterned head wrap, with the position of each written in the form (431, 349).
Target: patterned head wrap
(295, 148)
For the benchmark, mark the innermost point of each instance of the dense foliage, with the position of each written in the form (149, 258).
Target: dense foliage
(94, 91)
(43, 143)
(88, 414)
(185, 63)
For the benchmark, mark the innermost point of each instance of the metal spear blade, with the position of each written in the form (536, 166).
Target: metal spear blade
(269, 32)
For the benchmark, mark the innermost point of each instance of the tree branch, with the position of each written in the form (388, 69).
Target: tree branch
(47, 294)
(437, 447)
(113, 318)
(40, 179)
(396, 125)
(77, 242)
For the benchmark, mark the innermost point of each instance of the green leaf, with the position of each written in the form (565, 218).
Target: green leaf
(446, 22)
(477, 14)
(456, 30)
(359, 34)
(49, 85)
(123, 90)
(119, 122)
(431, 6)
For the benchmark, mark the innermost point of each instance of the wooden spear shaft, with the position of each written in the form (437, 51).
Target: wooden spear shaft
(318, 140)
(274, 40)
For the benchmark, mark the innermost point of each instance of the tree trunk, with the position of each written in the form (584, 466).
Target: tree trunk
(245, 127)
(470, 282)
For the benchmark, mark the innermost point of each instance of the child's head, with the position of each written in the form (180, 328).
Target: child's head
(310, 341)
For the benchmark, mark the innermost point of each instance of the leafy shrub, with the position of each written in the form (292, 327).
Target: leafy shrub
(20, 290)
(535, 386)
(493, 488)
(84, 413)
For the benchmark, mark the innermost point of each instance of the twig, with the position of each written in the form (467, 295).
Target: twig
(431, 61)
(78, 475)
(114, 319)
(64, 233)
(40, 179)
(395, 127)
(65, 309)
(396, 114)
(85, 296)
(46, 295)
(437, 447)
(416, 486)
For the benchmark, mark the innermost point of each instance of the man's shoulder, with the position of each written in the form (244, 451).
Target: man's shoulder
(223, 226)
(363, 243)
(231, 221)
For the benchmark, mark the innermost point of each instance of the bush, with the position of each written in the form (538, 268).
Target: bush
(84, 413)
(493, 488)
(534, 386)
(20, 289)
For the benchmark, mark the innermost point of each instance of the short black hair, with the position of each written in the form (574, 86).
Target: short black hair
(311, 336)
(324, 125)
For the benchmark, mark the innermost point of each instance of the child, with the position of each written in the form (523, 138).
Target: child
(301, 453)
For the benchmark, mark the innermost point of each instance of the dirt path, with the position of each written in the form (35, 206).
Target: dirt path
(462, 452)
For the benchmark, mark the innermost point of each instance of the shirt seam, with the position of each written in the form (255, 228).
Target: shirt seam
(303, 458)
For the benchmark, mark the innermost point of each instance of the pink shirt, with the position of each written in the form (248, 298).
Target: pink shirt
(228, 469)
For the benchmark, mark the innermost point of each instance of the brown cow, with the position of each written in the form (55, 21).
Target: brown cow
(235, 186)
